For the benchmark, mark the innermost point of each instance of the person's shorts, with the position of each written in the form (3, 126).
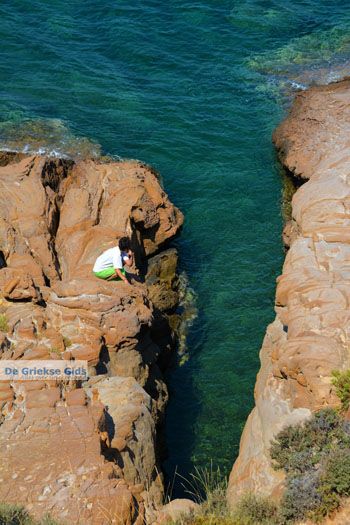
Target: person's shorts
(108, 272)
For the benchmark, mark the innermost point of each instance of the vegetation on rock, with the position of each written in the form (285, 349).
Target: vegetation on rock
(3, 323)
(208, 487)
(251, 510)
(316, 458)
(67, 342)
(341, 381)
(17, 515)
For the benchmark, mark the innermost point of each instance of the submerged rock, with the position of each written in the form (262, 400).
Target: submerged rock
(310, 336)
(85, 453)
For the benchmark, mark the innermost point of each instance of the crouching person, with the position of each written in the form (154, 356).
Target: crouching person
(110, 264)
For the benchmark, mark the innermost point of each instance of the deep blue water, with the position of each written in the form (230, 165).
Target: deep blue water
(194, 88)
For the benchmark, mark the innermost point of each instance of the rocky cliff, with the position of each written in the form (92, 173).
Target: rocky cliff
(310, 336)
(84, 452)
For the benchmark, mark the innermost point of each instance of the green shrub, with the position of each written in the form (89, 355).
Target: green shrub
(316, 458)
(336, 476)
(250, 510)
(4, 327)
(205, 520)
(13, 515)
(301, 497)
(17, 515)
(47, 520)
(329, 503)
(67, 342)
(299, 448)
(341, 381)
(254, 510)
(293, 450)
(207, 486)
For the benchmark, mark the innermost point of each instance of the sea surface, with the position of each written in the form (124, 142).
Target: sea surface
(194, 88)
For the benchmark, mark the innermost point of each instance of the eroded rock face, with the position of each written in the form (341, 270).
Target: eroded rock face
(86, 453)
(310, 336)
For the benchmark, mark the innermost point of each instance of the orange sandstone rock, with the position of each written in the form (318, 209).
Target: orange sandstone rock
(311, 334)
(85, 455)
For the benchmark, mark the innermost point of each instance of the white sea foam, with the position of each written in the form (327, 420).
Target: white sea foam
(297, 85)
(49, 137)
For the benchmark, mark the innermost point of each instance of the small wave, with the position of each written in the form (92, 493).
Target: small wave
(282, 88)
(320, 57)
(297, 85)
(49, 137)
(315, 49)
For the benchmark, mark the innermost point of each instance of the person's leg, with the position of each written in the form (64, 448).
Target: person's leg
(108, 272)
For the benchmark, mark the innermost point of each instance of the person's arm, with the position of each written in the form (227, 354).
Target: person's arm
(129, 261)
(118, 265)
(118, 273)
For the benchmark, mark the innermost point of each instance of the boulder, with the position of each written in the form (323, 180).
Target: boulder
(176, 510)
(161, 280)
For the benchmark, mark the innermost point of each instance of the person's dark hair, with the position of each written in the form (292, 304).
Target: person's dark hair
(124, 244)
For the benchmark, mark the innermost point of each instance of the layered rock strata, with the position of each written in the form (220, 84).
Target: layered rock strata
(84, 452)
(310, 336)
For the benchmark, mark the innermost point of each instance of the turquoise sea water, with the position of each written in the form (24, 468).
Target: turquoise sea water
(194, 88)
